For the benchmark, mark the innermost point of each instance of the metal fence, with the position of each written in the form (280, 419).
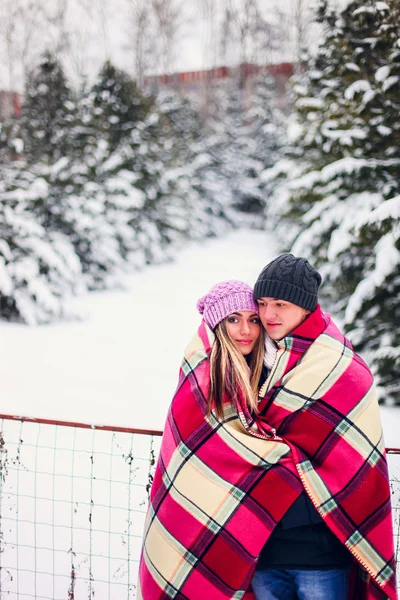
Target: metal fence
(73, 499)
(393, 456)
(72, 504)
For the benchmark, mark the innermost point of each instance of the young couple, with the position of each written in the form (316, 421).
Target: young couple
(272, 480)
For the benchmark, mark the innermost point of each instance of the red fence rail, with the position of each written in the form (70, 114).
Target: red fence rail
(154, 432)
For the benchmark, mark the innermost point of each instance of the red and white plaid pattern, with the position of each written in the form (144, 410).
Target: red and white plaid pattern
(221, 487)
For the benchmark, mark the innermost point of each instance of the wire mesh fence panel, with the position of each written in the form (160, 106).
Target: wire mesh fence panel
(394, 472)
(72, 509)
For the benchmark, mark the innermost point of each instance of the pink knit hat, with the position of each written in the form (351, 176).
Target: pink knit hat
(224, 299)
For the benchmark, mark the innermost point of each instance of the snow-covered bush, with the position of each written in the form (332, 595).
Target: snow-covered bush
(348, 144)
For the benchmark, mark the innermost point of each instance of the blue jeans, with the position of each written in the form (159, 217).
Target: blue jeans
(330, 584)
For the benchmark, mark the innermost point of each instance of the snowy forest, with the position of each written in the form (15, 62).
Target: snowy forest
(102, 178)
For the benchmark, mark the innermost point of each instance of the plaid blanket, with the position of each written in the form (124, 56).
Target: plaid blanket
(221, 487)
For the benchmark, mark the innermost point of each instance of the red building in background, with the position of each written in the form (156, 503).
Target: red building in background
(10, 105)
(194, 83)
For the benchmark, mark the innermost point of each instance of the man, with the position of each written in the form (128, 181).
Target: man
(335, 542)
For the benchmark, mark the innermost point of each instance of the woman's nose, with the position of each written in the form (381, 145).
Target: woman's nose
(245, 328)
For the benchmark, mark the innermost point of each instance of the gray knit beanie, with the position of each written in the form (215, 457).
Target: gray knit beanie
(291, 279)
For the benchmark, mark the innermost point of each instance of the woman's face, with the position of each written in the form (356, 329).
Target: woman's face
(244, 329)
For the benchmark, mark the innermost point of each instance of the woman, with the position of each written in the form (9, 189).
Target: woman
(206, 522)
(231, 312)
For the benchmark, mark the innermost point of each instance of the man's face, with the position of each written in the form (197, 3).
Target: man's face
(280, 317)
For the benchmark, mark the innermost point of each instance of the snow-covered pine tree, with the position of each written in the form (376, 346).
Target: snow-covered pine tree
(183, 118)
(78, 206)
(158, 159)
(244, 131)
(192, 210)
(209, 178)
(11, 145)
(266, 130)
(115, 105)
(239, 165)
(4, 142)
(265, 121)
(47, 112)
(130, 176)
(39, 271)
(92, 198)
(373, 312)
(348, 112)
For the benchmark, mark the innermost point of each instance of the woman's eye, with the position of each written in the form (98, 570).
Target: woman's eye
(232, 320)
(256, 320)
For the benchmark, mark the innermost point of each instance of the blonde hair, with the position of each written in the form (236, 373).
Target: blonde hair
(229, 371)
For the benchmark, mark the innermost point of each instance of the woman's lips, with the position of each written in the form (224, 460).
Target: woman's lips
(244, 342)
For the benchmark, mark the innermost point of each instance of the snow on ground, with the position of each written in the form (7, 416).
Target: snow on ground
(119, 365)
